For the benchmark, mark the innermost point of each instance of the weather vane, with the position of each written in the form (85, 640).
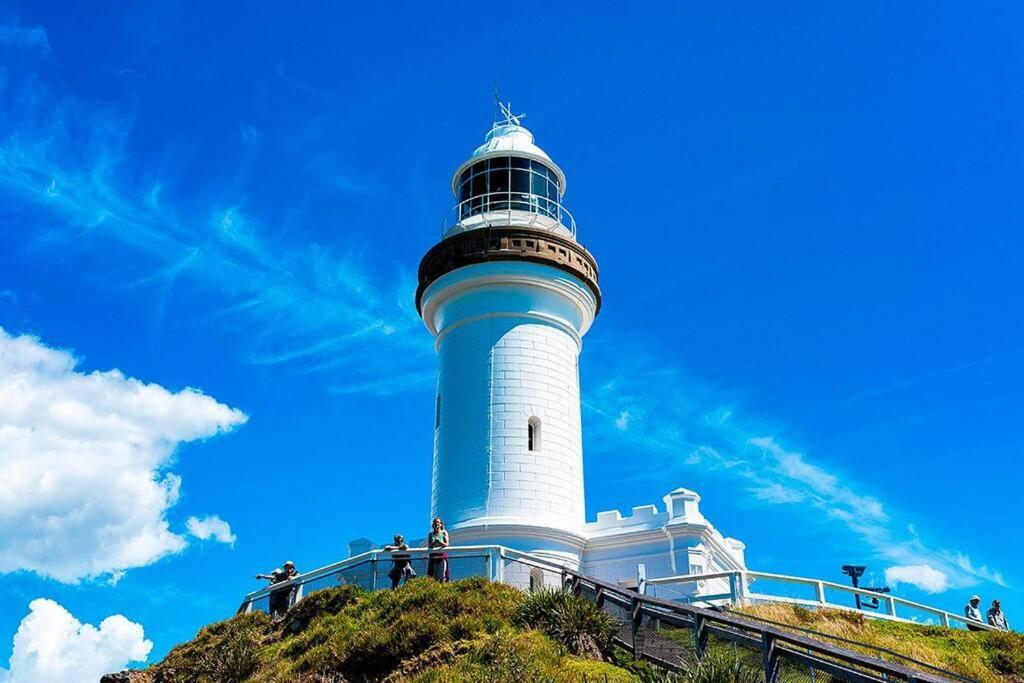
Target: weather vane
(503, 115)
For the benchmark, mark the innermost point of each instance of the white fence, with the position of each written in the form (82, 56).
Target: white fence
(735, 587)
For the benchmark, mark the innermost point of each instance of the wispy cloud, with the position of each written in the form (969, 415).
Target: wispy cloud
(306, 306)
(927, 578)
(13, 34)
(677, 421)
(909, 382)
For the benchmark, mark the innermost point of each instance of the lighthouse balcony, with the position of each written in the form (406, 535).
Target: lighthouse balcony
(509, 209)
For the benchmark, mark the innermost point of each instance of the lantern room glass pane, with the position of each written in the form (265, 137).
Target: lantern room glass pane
(520, 181)
(499, 180)
(478, 185)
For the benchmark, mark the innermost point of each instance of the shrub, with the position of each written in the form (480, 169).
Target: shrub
(319, 604)
(722, 667)
(568, 619)
(225, 652)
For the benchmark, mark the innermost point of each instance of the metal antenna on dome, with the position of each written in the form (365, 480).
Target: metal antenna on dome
(503, 115)
(510, 118)
(497, 105)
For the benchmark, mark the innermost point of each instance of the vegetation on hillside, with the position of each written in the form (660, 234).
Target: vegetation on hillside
(980, 655)
(472, 630)
(425, 632)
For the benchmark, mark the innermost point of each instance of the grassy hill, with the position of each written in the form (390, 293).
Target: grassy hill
(981, 655)
(425, 632)
(478, 631)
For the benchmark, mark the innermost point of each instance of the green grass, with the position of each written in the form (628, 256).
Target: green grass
(981, 655)
(473, 630)
(425, 631)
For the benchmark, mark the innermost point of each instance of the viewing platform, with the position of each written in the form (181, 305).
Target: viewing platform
(649, 611)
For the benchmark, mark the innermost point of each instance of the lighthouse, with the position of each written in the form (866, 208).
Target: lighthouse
(508, 294)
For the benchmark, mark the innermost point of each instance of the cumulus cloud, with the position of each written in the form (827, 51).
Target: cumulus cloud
(52, 645)
(921, 575)
(84, 486)
(209, 527)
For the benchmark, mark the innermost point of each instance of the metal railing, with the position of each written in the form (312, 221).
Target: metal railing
(370, 571)
(667, 633)
(739, 592)
(517, 209)
(678, 636)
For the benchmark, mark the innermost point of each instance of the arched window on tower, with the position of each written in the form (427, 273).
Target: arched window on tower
(533, 434)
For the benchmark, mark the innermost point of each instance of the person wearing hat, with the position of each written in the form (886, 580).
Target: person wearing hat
(973, 613)
(997, 618)
(280, 600)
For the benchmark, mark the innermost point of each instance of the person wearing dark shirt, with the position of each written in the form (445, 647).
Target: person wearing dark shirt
(401, 568)
(997, 618)
(280, 600)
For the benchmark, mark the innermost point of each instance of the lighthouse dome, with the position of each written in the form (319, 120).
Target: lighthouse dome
(507, 139)
(509, 181)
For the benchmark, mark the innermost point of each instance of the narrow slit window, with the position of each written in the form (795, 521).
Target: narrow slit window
(533, 434)
(437, 412)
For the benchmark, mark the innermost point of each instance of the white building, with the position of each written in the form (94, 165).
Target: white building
(509, 294)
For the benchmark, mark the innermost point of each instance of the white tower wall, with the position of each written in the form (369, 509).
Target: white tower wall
(508, 340)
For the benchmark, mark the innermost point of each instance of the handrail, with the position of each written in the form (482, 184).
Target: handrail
(374, 555)
(819, 586)
(855, 643)
(509, 198)
(741, 623)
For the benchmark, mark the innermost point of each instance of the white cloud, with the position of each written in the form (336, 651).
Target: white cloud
(777, 493)
(794, 467)
(52, 645)
(209, 527)
(921, 575)
(622, 421)
(84, 488)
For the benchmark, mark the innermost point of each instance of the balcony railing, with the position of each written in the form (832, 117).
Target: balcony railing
(519, 209)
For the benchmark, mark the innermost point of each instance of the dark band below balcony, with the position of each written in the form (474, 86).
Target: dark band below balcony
(507, 244)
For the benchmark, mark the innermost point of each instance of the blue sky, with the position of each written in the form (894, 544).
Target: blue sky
(816, 321)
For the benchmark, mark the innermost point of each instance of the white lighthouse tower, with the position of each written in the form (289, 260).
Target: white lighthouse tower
(508, 294)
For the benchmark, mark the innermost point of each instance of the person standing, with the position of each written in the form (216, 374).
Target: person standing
(996, 617)
(281, 599)
(973, 613)
(401, 568)
(437, 541)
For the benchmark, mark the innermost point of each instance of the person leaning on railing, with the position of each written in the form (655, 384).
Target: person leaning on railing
(401, 564)
(973, 613)
(280, 600)
(437, 541)
(997, 618)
